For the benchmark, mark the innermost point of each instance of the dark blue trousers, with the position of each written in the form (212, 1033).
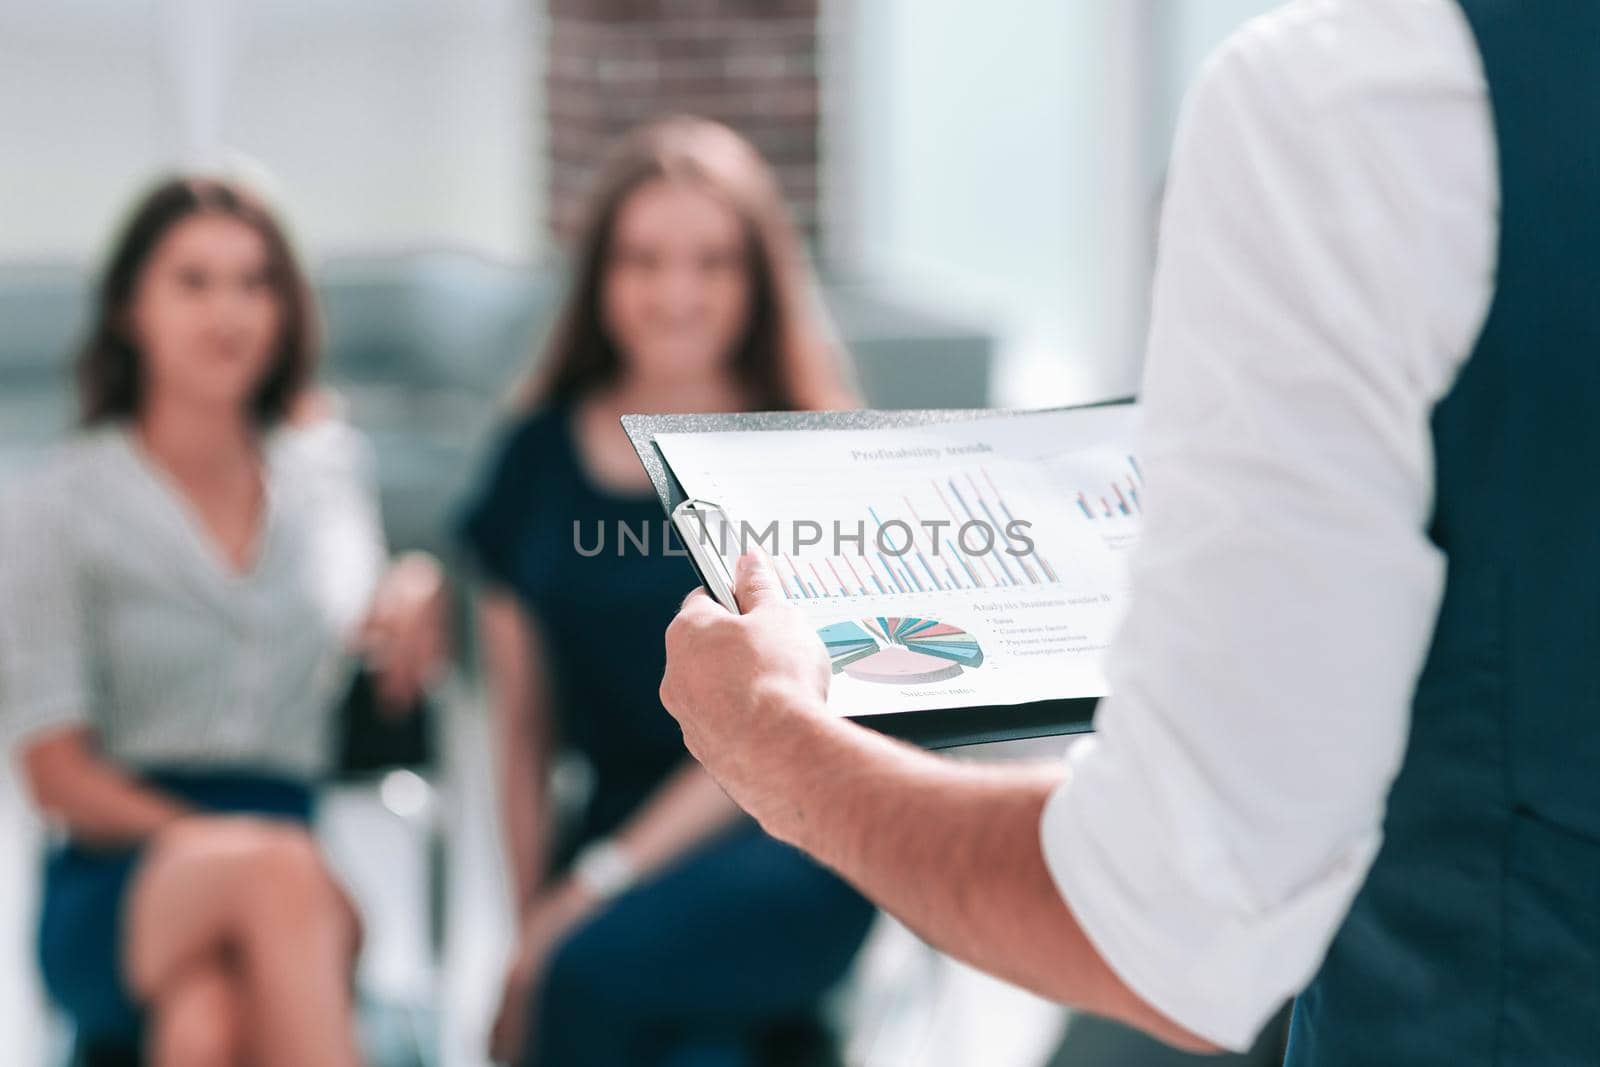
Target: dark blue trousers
(689, 968)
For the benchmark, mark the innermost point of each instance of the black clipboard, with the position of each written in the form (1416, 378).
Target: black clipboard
(933, 728)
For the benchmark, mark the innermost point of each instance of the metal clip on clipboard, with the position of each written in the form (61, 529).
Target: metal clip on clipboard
(702, 526)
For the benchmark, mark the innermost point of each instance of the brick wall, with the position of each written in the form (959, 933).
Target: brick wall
(612, 64)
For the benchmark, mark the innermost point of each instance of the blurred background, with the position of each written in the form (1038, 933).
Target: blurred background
(979, 184)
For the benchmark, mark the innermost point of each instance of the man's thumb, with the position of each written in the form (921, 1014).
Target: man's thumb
(755, 582)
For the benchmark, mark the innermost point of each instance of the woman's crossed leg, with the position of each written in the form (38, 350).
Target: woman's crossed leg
(240, 946)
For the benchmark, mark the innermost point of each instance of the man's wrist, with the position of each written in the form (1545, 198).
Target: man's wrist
(788, 756)
(780, 706)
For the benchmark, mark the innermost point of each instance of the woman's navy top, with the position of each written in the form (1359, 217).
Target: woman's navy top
(587, 563)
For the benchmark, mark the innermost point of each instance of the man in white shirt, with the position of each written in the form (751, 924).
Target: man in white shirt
(1328, 259)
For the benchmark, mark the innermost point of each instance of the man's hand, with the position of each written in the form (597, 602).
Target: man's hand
(952, 850)
(737, 684)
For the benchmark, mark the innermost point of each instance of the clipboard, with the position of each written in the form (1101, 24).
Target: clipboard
(933, 728)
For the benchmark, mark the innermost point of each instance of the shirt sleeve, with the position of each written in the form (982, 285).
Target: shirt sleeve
(1325, 265)
(43, 660)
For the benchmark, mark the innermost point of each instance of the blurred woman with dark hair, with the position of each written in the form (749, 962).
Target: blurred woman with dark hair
(182, 584)
(663, 926)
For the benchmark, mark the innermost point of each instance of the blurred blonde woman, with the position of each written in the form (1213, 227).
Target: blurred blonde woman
(664, 927)
(183, 582)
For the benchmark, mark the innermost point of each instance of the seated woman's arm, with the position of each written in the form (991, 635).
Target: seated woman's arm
(87, 795)
(688, 808)
(397, 609)
(44, 676)
(514, 665)
(404, 638)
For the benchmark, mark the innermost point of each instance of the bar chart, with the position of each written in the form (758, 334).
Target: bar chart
(963, 537)
(1115, 499)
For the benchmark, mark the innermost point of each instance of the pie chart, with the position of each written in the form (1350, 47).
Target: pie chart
(900, 650)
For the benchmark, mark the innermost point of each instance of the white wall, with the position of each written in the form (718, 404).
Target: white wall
(23, 1032)
(973, 187)
(1004, 160)
(385, 124)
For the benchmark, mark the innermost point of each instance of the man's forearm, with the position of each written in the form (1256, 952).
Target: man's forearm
(951, 850)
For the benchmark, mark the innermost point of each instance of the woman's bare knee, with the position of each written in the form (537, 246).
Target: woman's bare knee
(179, 904)
(196, 1019)
(288, 876)
(291, 886)
(213, 884)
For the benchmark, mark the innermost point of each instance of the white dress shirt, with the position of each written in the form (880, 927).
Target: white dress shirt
(117, 611)
(1326, 262)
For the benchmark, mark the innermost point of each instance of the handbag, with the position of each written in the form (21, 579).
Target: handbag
(372, 740)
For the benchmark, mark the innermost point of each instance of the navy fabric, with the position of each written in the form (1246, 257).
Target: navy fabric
(80, 941)
(688, 969)
(743, 932)
(1476, 938)
(601, 616)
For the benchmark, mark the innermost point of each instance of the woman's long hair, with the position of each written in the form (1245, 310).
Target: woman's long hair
(110, 365)
(786, 359)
